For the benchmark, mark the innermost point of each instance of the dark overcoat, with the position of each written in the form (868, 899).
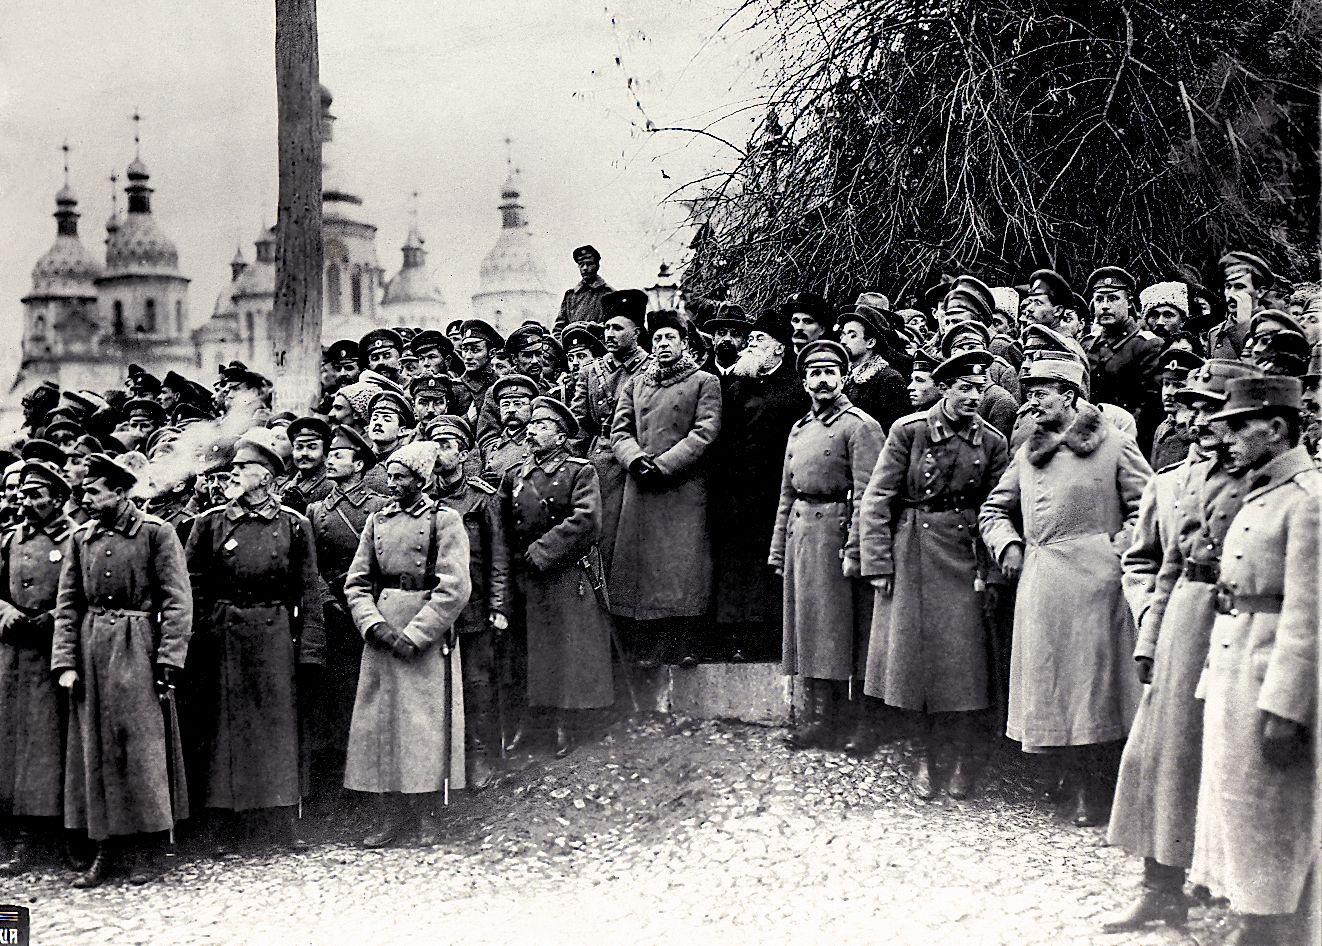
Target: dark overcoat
(756, 417)
(929, 648)
(32, 717)
(553, 508)
(1076, 493)
(1255, 840)
(827, 607)
(258, 598)
(662, 566)
(124, 605)
(1156, 797)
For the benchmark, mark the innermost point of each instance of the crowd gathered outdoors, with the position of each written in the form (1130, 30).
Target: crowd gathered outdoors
(1084, 516)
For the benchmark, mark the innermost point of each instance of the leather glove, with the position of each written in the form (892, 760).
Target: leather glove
(645, 470)
(15, 631)
(1144, 667)
(166, 679)
(1284, 742)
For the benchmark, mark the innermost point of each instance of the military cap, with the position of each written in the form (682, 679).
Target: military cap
(174, 381)
(392, 400)
(408, 358)
(925, 361)
(406, 333)
(1110, 277)
(281, 420)
(146, 407)
(428, 339)
(378, 339)
(451, 425)
(454, 325)
(13, 469)
(84, 403)
(1248, 396)
(628, 304)
(1313, 373)
(347, 438)
(374, 379)
(1171, 294)
(982, 332)
(309, 426)
(974, 285)
(583, 335)
(971, 364)
(968, 300)
(39, 449)
(158, 440)
(1046, 338)
(548, 408)
(429, 385)
(143, 380)
(478, 328)
(253, 447)
(1064, 370)
(1282, 353)
(1052, 283)
(62, 425)
(1176, 364)
(513, 384)
(187, 412)
(47, 393)
(86, 445)
(809, 303)
(250, 379)
(822, 351)
(535, 326)
(666, 318)
(525, 336)
(1240, 261)
(233, 371)
(43, 473)
(587, 251)
(344, 349)
(113, 469)
(554, 355)
(1277, 317)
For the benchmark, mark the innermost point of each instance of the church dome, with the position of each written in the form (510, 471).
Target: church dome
(139, 245)
(68, 266)
(411, 283)
(511, 265)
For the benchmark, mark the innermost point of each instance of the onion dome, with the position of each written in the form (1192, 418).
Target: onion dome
(67, 267)
(511, 263)
(411, 283)
(139, 245)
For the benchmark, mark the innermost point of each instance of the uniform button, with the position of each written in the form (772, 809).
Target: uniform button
(1239, 555)
(418, 547)
(828, 453)
(818, 515)
(27, 582)
(418, 562)
(107, 574)
(924, 525)
(107, 551)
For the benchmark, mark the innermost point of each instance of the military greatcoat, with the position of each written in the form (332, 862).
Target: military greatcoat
(553, 508)
(1076, 493)
(827, 608)
(1156, 797)
(32, 718)
(1255, 842)
(259, 606)
(124, 604)
(919, 525)
(395, 740)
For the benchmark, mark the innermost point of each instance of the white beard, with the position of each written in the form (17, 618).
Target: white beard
(753, 362)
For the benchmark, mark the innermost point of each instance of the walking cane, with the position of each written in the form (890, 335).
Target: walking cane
(446, 740)
(171, 718)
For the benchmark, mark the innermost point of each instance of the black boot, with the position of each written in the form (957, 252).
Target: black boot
(427, 827)
(389, 817)
(1092, 796)
(480, 771)
(293, 831)
(564, 734)
(21, 856)
(962, 730)
(140, 861)
(816, 727)
(98, 870)
(866, 734)
(922, 785)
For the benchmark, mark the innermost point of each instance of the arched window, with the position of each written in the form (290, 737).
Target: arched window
(149, 316)
(178, 316)
(333, 288)
(117, 321)
(356, 289)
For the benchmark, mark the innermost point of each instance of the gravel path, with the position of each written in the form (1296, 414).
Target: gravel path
(661, 831)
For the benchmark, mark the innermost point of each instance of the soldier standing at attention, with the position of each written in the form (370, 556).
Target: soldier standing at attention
(259, 639)
(827, 607)
(123, 618)
(921, 551)
(506, 449)
(583, 302)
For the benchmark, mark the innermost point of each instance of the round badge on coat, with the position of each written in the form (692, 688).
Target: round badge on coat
(55, 555)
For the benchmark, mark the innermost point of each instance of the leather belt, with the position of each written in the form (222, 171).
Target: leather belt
(821, 498)
(953, 502)
(409, 583)
(114, 611)
(245, 603)
(1208, 573)
(1234, 604)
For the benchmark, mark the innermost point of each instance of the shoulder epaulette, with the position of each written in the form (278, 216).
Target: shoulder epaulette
(1170, 466)
(149, 519)
(481, 485)
(577, 461)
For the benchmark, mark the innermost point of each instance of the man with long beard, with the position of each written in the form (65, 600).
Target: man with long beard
(763, 398)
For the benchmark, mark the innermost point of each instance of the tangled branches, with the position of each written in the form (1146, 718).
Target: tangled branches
(906, 137)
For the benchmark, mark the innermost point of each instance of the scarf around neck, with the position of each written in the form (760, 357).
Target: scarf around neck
(664, 376)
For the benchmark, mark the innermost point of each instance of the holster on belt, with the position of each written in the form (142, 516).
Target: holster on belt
(1207, 573)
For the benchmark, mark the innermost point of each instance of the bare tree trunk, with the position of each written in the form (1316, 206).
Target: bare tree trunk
(296, 321)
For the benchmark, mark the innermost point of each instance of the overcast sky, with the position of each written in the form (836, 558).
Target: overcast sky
(425, 92)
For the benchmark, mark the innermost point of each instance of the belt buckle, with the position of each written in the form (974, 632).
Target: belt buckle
(1225, 602)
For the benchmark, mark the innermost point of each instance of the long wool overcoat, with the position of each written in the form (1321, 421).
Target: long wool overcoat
(257, 593)
(1156, 797)
(123, 606)
(1077, 491)
(1255, 841)
(662, 564)
(553, 508)
(32, 717)
(828, 460)
(396, 741)
(929, 644)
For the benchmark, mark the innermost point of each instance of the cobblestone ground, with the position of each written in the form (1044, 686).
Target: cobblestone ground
(661, 831)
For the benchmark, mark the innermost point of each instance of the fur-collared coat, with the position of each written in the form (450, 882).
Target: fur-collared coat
(1077, 492)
